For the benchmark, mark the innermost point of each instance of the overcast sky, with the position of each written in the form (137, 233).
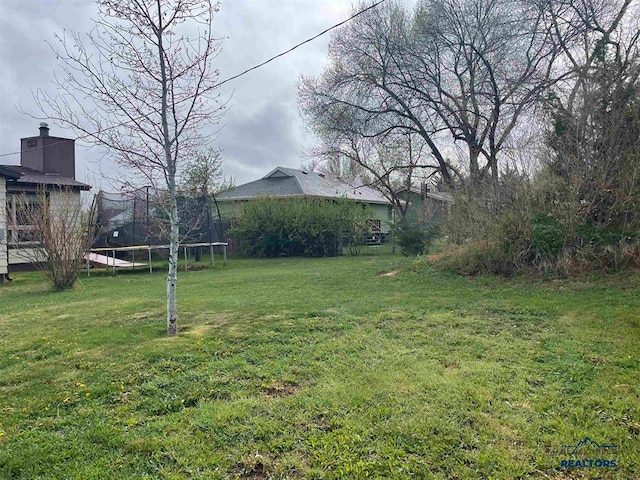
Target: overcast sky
(262, 128)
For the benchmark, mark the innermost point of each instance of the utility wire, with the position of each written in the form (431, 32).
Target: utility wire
(230, 78)
(301, 43)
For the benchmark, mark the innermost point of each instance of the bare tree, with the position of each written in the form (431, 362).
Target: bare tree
(449, 72)
(595, 113)
(362, 94)
(142, 84)
(55, 234)
(488, 63)
(388, 163)
(590, 32)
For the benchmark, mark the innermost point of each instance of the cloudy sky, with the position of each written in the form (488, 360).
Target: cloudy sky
(262, 128)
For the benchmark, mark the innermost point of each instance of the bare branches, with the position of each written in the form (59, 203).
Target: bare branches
(55, 233)
(451, 72)
(142, 84)
(489, 63)
(363, 91)
(112, 75)
(595, 112)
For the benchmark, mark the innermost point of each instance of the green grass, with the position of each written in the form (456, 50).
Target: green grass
(323, 368)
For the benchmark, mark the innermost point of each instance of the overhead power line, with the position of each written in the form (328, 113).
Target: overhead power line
(235, 76)
(300, 44)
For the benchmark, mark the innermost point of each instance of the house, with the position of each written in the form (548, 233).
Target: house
(425, 204)
(5, 174)
(284, 182)
(47, 164)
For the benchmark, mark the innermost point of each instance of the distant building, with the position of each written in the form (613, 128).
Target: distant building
(425, 204)
(284, 182)
(46, 164)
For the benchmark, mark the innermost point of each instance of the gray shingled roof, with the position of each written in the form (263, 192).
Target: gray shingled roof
(31, 176)
(440, 196)
(6, 172)
(288, 182)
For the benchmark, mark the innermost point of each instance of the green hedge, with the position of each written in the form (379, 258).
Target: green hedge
(271, 227)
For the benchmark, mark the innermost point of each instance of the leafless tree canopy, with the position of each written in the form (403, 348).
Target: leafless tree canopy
(595, 112)
(455, 72)
(142, 83)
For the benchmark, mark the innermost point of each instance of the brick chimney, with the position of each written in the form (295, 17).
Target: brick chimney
(47, 154)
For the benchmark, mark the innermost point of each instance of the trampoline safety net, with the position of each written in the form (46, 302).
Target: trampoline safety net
(125, 219)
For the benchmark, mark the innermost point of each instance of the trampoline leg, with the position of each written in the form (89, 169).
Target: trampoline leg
(150, 266)
(225, 254)
(185, 259)
(114, 262)
(213, 262)
(88, 264)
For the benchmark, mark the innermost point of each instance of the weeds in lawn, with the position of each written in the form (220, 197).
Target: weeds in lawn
(322, 369)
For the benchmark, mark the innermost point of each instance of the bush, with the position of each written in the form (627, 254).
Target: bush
(542, 225)
(494, 230)
(514, 241)
(548, 235)
(470, 259)
(272, 227)
(413, 238)
(468, 218)
(59, 235)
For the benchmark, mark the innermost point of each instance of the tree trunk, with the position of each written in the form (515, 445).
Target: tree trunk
(494, 170)
(170, 163)
(474, 169)
(172, 276)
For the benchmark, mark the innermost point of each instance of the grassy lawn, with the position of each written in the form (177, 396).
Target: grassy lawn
(322, 368)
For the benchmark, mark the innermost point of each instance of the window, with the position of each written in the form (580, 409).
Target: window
(23, 210)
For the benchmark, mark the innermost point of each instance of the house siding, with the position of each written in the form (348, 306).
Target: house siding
(382, 213)
(57, 203)
(19, 256)
(3, 226)
(427, 209)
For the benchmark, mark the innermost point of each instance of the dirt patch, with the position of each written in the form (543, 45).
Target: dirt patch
(254, 467)
(279, 389)
(450, 364)
(392, 273)
(197, 268)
